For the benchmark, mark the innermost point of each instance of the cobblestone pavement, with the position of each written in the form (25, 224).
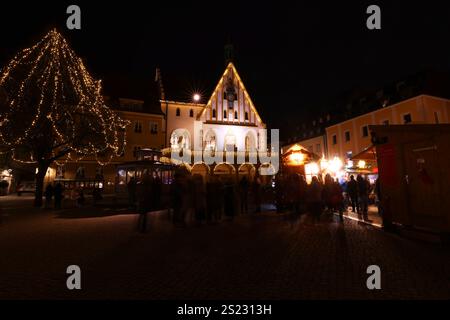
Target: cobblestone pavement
(264, 256)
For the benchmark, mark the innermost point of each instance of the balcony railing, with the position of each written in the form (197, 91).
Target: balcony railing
(246, 156)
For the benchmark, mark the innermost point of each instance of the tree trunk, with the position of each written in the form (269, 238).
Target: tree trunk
(40, 176)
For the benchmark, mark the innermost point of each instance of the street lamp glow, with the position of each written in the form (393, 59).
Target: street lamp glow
(361, 164)
(196, 97)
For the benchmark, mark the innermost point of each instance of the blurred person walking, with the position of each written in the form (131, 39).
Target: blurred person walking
(49, 191)
(352, 192)
(58, 194)
(243, 193)
(363, 195)
(315, 198)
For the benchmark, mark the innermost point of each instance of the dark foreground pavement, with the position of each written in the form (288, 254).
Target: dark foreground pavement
(253, 257)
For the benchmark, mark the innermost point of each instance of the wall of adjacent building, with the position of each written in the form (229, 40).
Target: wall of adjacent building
(423, 109)
(143, 138)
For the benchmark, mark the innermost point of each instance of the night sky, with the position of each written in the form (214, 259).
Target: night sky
(293, 59)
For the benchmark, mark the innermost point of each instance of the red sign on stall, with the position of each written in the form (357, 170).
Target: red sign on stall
(387, 164)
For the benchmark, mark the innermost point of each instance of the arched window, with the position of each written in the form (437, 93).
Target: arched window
(210, 141)
(235, 115)
(225, 116)
(179, 139)
(191, 113)
(250, 143)
(214, 113)
(230, 142)
(178, 112)
(246, 116)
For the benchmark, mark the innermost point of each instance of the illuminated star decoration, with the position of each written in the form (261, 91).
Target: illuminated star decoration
(49, 92)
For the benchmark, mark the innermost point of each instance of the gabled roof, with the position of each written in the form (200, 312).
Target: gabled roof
(230, 68)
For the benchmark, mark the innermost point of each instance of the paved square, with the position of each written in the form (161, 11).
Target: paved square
(264, 256)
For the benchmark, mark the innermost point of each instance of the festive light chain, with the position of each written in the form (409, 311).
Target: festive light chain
(70, 101)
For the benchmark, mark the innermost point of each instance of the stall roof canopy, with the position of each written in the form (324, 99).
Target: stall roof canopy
(368, 154)
(298, 148)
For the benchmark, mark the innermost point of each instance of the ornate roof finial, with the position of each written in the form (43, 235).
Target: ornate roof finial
(229, 52)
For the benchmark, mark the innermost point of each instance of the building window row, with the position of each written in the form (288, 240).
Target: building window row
(138, 127)
(153, 127)
(178, 112)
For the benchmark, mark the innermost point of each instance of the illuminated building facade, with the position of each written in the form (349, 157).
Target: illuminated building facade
(350, 137)
(227, 123)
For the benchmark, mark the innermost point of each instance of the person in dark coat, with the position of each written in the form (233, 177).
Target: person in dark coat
(327, 193)
(379, 199)
(302, 194)
(131, 186)
(352, 192)
(363, 195)
(229, 199)
(80, 198)
(337, 199)
(199, 198)
(257, 193)
(145, 202)
(156, 193)
(58, 194)
(243, 192)
(279, 192)
(177, 190)
(48, 196)
(315, 198)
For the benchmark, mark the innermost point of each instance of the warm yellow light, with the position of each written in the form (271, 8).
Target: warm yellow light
(361, 164)
(296, 158)
(323, 163)
(296, 147)
(312, 168)
(335, 165)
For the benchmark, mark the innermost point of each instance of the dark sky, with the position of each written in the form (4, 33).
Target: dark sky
(292, 57)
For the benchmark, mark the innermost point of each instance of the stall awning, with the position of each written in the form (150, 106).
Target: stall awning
(369, 154)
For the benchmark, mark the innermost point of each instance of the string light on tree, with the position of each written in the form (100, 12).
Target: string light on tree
(53, 109)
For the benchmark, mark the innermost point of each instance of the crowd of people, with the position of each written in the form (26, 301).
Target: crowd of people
(54, 193)
(191, 198)
(196, 199)
(323, 196)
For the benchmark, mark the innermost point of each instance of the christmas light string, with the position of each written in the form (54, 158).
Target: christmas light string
(70, 100)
